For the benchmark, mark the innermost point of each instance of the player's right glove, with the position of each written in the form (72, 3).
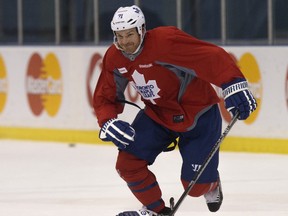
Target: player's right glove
(119, 132)
(237, 96)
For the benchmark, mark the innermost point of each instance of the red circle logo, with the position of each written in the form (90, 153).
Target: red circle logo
(93, 74)
(286, 87)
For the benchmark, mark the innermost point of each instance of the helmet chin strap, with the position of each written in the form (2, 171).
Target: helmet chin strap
(117, 45)
(139, 46)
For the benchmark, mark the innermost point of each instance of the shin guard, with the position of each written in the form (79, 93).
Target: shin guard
(140, 180)
(200, 189)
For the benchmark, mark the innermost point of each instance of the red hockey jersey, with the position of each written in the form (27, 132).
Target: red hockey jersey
(173, 74)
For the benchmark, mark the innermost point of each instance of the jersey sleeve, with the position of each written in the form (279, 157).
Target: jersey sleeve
(110, 87)
(209, 62)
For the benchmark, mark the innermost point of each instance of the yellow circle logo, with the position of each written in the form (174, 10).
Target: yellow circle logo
(248, 65)
(3, 85)
(44, 84)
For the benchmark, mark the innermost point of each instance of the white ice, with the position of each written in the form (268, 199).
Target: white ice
(52, 179)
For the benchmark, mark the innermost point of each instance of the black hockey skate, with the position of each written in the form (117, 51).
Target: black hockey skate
(214, 198)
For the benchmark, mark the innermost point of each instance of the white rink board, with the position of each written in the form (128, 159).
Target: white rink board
(74, 111)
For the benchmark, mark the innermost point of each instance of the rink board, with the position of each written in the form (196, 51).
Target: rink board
(45, 94)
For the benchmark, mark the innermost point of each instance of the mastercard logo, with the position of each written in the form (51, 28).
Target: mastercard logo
(249, 67)
(93, 74)
(44, 84)
(3, 84)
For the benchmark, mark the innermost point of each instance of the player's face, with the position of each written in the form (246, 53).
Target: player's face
(128, 40)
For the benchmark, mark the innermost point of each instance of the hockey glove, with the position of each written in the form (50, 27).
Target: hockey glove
(119, 132)
(237, 96)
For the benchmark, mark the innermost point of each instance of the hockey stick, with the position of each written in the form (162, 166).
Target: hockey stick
(202, 168)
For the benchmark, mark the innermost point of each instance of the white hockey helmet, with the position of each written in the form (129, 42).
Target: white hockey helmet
(127, 18)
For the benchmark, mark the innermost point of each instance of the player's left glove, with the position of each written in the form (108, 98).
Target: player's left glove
(237, 96)
(117, 131)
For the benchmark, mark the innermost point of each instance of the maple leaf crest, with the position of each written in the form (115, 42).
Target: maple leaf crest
(149, 90)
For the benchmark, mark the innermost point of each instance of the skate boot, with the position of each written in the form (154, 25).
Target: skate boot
(145, 212)
(214, 198)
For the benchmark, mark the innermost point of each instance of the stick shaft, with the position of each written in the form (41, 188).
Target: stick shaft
(204, 165)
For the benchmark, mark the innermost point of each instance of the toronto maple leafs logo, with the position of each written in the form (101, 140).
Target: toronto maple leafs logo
(149, 90)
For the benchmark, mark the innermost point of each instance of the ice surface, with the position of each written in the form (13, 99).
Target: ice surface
(52, 179)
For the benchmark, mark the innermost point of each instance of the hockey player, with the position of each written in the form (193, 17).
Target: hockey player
(173, 73)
